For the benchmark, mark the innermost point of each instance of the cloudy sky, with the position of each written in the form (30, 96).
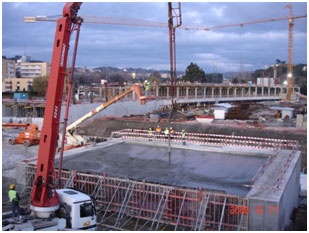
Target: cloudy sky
(219, 50)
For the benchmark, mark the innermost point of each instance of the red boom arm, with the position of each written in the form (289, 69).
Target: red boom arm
(44, 193)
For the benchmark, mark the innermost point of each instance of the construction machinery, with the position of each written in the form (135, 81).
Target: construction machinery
(63, 208)
(29, 137)
(175, 13)
(75, 140)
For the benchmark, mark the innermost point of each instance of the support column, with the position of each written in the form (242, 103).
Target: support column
(195, 93)
(249, 91)
(114, 92)
(268, 91)
(100, 92)
(120, 90)
(34, 112)
(235, 92)
(242, 92)
(187, 92)
(228, 92)
(204, 92)
(281, 89)
(220, 92)
(256, 91)
(168, 92)
(177, 92)
(262, 91)
(212, 92)
(157, 91)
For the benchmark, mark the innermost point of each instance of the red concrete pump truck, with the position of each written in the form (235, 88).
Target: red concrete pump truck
(46, 202)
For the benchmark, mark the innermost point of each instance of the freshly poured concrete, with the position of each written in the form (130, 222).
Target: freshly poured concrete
(189, 168)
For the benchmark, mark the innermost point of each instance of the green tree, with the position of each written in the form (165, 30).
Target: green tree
(116, 78)
(303, 89)
(235, 80)
(194, 74)
(40, 85)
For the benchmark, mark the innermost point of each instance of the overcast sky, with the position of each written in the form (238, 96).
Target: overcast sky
(219, 50)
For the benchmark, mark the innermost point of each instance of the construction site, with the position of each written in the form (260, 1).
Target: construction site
(155, 156)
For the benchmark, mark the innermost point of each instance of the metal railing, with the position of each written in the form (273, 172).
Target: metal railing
(211, 139)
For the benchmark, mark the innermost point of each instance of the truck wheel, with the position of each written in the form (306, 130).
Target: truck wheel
(11, 141)
(26, 143)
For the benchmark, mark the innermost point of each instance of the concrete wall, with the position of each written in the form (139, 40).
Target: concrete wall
(6, 111)
(290, 197)
(267, 200)
(260, 218)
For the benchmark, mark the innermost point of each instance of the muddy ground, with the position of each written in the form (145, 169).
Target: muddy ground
(103, 127)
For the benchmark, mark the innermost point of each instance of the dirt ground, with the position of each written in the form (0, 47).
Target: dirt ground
(13, 153)
(102, 127)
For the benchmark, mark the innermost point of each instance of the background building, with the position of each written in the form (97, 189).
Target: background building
(16, 84)
(8, 69)
(33, 69)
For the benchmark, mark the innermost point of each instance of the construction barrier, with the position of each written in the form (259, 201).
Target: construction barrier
(211, 139)
(155, 206)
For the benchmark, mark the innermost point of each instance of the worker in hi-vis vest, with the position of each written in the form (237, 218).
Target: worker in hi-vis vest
(150, 134)
(14, 200)
(147, 87)
(166, 133)
(183, 135)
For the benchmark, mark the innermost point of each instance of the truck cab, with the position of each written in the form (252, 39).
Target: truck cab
(78, 209)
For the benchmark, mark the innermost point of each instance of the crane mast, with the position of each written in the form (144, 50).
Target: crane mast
(44, 195)
(174, 14)
(290, 78)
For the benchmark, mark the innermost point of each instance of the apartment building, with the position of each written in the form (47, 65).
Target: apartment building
(8, 69)
(33, 69)
(16, 84)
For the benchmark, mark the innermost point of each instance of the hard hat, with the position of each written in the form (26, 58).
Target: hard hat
(146, 81)
(171, 128)
(183, 130)
(158, 126)
(149, 128)
(12, 186)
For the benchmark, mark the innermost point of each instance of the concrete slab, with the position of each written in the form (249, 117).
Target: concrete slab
(189, 168)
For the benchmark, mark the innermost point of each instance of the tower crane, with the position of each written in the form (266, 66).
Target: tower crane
(146, 23)
(290, 78)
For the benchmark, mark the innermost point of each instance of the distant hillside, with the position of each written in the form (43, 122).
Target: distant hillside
(130, 70)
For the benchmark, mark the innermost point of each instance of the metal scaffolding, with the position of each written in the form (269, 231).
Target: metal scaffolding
(140, 205)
